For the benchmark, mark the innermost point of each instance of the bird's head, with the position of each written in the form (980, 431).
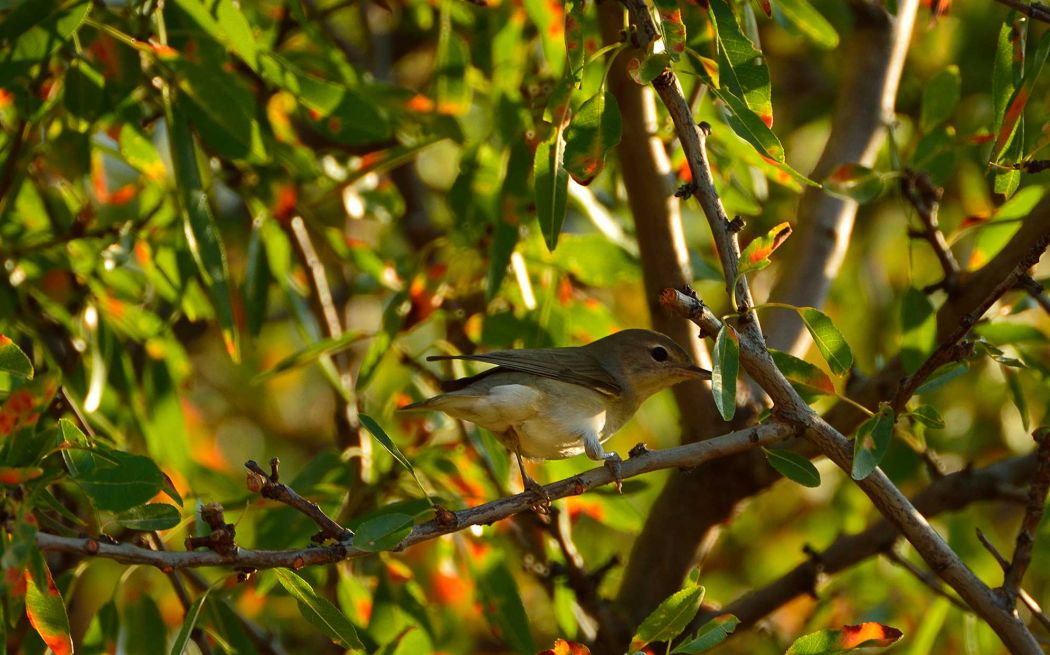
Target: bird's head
(645, 361)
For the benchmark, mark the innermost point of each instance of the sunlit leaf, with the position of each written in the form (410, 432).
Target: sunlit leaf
(188, 624)
(800, 372)
(670, 617)
(709, 635)
(310, 353)
(828, 339)
(808, 21)
(855, 181)
(47, 612)
(849, 637)
(725, 363)
(755, 256)
(154, 516)
(384, 439)
(648, 69)
(13, 360)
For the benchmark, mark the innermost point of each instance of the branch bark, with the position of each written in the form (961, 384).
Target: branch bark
(445, 523)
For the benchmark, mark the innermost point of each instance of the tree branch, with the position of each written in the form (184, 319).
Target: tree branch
(950, 493)
(1035, 10)
(1037, 491)
(919, 190)
(445, 523)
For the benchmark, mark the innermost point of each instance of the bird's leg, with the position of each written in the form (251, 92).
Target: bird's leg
(593, 447)
(530, 485)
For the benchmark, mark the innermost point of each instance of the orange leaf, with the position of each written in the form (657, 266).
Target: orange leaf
(47, 614)
(869, 634)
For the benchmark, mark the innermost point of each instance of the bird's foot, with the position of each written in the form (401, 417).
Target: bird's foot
(614, 464)
(543, 501)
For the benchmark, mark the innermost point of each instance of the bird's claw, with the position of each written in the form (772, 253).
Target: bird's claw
(543, 500)
(614, 464)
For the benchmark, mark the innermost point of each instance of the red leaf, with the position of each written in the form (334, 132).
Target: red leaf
(563, 647)
(869, 634)
(47, 614)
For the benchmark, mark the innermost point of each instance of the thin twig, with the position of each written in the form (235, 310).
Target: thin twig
(448, 522)
(927, 578)
(920, 191)
(267, 484)
(1036, 10)
(1036, 291)
(1037, 492)
(1023, 595)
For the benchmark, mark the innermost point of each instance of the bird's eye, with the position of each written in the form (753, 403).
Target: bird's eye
(659, 353)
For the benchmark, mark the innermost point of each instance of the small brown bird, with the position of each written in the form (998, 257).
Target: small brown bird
(552, 403)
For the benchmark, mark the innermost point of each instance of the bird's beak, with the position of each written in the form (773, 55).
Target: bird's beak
(697, 372)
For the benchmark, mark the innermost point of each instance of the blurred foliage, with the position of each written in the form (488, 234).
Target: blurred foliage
(177, 176)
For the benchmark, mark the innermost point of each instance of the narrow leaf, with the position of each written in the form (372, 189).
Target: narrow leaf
(872, 442)
(793, 466)
(725, 364)
(383, 438)
(154, 516)
(383, 532)
(942, 376)
(1013, 383)
(202, 233)
(800, 372)
(47, 612)
(188, 623)
(320, 611)
(709, 635)
(809, 21)
(311, 353)
(828, 339)
(552, 187)
(669, 618)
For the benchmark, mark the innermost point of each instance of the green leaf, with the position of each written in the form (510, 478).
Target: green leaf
(793, 466)
(188, 623)
(310, 353)
(154, 516)
(939, 97)
(755, 256)
(13, 360)
(504, 610)
(849, 637)
(725, 364)
(800, 372)
(918, 329)
(1001, 333)
(829, 341)
(854, 181)
(808, 21)
(383, 438)
(202, 233)
(47, 611)
(121, 483)
(594, 130)
(742, 72)
(645, 71)
(928, 416)
(750, 127)
(1007, 71)
(453, 59)
(223, 21)
(872, 442)
(942, 376)
(1019, 99)
(672, 27)
(670, 617)
(84, 88)
(552, 187)
(1013, 383)
(223, 111)
(709, 635)
(320, 611)
(383, 532)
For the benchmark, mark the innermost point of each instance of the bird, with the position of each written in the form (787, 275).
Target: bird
(554, 403)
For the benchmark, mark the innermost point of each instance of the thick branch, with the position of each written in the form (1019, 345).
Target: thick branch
(446, 522)
(1036, 10)
(873, 56)
(884, 495)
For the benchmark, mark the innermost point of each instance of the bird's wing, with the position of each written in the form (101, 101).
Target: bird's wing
(565, 364)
